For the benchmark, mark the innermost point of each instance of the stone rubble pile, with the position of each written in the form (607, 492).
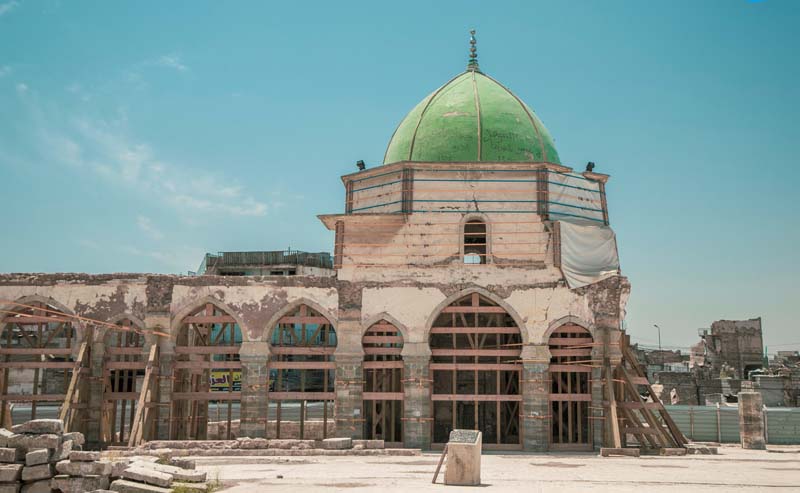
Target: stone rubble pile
(38, 457)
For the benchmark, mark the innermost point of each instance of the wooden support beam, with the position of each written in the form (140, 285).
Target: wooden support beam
(137, 428)
(611, 418)
(73, 385)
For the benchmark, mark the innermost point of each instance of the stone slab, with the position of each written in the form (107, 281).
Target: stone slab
(100, 468)
(4, 436)
(35, 473)
(337, 443)
(8, 455)
(191, 487)
(147, 475)
(9, 488)
(62, 452)
(40, 426)
(82, 456)
(76, 437)
(178, 474)
(125, 486)
(36, 457)
(33, 442)
(79, 485)
(10, 472)
(42, 486)
(182, 463)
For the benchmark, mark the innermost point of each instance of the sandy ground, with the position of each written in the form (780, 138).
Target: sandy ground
(733, 469)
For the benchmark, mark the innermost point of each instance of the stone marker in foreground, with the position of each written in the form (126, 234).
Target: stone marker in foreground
(464, 458)
(751, 421)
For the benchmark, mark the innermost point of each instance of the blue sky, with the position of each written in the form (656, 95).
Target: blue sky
(137, 136)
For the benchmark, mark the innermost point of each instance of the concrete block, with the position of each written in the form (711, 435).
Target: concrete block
(374, 444)
(4, 436)
(35, 473)
(10, 472)
(33, 442)
(178, 474)
(10, 488)
(76, 437)
(125, 486)
(79, 485)
(252, 443)
(81, 456)
(337, 443)
(36, 457)
(147, 475)
(100, 468)
(40, 426)
(42, 486)
(464, 458)
(8, 455)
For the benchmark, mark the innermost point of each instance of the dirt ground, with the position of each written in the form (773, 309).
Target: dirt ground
(777, 469)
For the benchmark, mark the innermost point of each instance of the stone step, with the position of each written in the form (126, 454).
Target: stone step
(149, 476)
(126, 486)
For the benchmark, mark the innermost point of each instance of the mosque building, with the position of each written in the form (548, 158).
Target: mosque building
(474, 283)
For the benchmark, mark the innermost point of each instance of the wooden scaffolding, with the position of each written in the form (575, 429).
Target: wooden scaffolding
(383, 383)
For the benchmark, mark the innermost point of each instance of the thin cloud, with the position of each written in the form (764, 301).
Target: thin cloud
(22, 88)
(4, 70)
(7, 7)
(171, 61)
(146, 226)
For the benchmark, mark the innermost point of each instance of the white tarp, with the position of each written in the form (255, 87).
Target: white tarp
(588, 253)
(574, 198)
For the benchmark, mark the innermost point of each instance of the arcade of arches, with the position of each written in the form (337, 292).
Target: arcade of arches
(208, 380)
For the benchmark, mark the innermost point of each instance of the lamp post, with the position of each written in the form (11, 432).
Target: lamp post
(659, 346)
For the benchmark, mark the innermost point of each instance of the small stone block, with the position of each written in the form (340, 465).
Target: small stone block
(9, 488)
(147, 475)
(624, 452)
(125, 486)
(190, 487)
(182, 463)
(76, 437)
(62, 452)
(100, 468)
(8, 455)
(84, 456)
(42, 486)
(673, 451)
(4, 436)
(33, 442)
(118, 466)
(10, 472)
(337, 443)
(35, 473)
(40, 426)
(36, 457)
(374, 444)
(178, 474)
(79, 485)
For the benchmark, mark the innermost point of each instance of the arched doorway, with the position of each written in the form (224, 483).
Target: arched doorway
(37, 343)
(301, 376)
(123, 373)
(206, 390)
(475, 364)
(383, 387)
(570, 389)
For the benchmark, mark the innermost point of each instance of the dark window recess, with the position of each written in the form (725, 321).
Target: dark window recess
(475, 242)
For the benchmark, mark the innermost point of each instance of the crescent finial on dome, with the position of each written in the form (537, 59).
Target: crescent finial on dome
(473, 53)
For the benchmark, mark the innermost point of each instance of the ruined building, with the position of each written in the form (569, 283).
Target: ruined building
(475, 284)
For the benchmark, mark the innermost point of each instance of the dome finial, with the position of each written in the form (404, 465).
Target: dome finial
(473, 53)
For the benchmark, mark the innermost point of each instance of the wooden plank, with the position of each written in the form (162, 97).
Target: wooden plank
(369, 339)
(571, 397)
(302, 365)
(383, 396)
(439, 466)
(32, 398)
(625, 452)
(663, 436)
(476, 366)
(474, 309)
(301, 396)
(136, 427)
(570, 352)
(611, 419)
(209, 319)
(120, 396)
(207, 350)
(27, 365)
(383, 350)
(375, 365)
(35, 319)
(638, 405)
(477, 397)
(474, 330)
(570, 369)
(125, 365)
(125, 351)
(203, 365)
(206, 396)
(291, 320)
(475, 352)
(570, 329)
(73, 383)
(303, 350)
(569, 341)
(60, 351)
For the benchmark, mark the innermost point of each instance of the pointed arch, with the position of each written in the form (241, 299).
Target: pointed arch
(194, 305)
(518, 320)
(382, 398)
(366, 324)
(566, 320)
(266, 335)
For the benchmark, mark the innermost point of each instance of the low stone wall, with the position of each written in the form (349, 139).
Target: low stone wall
(312, 430)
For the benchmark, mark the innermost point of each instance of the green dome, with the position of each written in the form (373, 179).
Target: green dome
(472, 118)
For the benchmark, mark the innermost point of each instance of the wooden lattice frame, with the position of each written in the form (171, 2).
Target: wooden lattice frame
(29, 341)
(202, 347)
(123, 362)
(570, 388)
(383, 382)
(302, 346)
(476, 335)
